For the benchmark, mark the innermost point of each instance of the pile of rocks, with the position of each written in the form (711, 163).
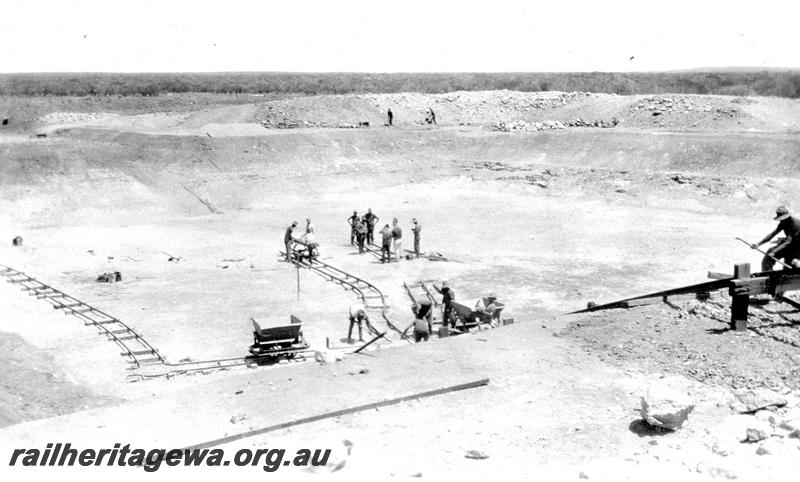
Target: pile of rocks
(764, 419)
(287, 124)
(522, 126)
(598, 123)
(685, 105)
(69, 117)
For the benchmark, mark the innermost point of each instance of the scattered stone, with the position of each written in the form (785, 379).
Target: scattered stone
(476, 455)
(238, 418)
(754, 435)
(740, 428)
(522, 126)
(777, 446)
(328, 356)
(791, 423)
(751, 401)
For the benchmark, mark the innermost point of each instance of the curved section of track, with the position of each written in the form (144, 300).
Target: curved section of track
(133, 345)
(146, 362)
(369, 294)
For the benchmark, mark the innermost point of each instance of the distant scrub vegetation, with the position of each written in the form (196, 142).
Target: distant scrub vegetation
(781, 83)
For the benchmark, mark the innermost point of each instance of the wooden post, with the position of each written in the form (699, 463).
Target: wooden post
(740, 298)
(298, 280)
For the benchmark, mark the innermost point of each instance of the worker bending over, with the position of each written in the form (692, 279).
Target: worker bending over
(358, 315)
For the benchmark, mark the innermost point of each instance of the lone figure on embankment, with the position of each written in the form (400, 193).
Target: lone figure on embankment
(788, 248)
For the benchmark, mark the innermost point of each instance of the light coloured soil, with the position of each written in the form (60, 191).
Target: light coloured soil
(547, 220)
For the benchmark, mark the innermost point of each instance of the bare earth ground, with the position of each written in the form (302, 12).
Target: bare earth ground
(549, 220)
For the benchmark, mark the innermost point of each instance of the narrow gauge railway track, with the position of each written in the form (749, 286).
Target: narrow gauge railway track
(373, 299)
(146, 362)
(139, 351)
(201, 366)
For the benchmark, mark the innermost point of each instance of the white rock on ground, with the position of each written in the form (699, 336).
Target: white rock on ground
(666, 405)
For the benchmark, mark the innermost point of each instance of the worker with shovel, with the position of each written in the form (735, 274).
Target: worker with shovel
(788, 248)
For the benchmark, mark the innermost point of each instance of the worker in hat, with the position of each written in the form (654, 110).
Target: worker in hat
(352, 221)
(361, 234)
(416, 228)
(288, 239)
(372, 220)
(788, 247)
(397, 237)
(447, 304)
(485, 308)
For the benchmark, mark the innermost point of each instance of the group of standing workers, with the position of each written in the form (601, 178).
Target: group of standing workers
(362, 230)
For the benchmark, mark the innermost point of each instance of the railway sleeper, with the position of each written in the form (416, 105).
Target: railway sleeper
(40, 291)
(34, 288)
(56, 294)
(107, 322)
(21, 280)
(143, 352)
(82, 310)
(151, 361)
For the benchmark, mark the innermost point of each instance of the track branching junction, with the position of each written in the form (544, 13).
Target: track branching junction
(145, 360)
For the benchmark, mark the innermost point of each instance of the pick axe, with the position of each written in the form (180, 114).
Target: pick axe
(785, 265)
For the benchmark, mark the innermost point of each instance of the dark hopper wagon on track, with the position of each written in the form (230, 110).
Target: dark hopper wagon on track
(468, 315)
(281, 340)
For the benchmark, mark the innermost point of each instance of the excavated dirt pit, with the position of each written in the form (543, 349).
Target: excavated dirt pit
(547, 220)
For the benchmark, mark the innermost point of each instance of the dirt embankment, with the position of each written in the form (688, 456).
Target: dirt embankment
(83, 172)
(669, 112)
(33, 386)
(202, 114)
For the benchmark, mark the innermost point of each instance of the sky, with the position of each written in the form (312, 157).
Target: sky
(398, 36)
